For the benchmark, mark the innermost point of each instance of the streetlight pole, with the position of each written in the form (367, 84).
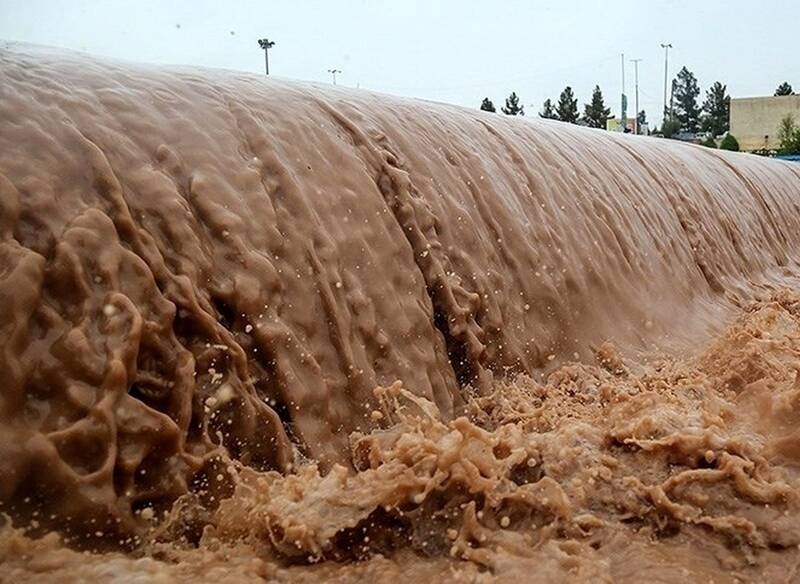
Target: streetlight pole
(666, 48)
(636, 81)
(333, 72)
(266, 44)
(624, 104)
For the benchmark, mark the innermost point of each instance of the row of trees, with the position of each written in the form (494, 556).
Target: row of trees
(594, 115)
(512, 107)
(683, 115)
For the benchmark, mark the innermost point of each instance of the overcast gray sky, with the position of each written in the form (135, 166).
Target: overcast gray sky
(453, 51)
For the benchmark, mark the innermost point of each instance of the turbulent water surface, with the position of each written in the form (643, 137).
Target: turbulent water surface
(259, 329)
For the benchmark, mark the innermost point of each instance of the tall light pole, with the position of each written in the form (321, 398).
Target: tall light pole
(636, 81)
(666, 48)
(624, 109)
(266, 44)
(334, 72)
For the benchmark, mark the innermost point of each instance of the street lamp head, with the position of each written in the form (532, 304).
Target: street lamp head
(666, 46)
(266, 43)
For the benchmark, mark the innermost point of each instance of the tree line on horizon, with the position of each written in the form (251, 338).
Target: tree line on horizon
(566, 110)
(684, 115)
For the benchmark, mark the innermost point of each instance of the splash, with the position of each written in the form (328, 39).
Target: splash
(683, 470)
(211, 284)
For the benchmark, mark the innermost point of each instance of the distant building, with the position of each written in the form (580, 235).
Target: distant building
(755, 120)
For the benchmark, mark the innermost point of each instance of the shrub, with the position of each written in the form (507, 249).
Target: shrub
(789, 136)
(729, 143)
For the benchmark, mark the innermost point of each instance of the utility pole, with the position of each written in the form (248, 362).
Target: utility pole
(333, 72)
(266, 44)
(624, 110)
(666, 48)
(636, 81)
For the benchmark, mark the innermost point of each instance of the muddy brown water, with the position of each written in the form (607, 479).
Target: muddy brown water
(253, 328)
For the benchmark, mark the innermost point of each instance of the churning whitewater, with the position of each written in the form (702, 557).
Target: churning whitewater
(253, 328)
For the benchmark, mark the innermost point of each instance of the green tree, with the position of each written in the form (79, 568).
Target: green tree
(670, 127)
(567, 108)
(687, 111)
(716, 110)
(786, 129)
(784, 89)
(487, 105)
(548, 111)
(596, 113)
(512, 107)
(729, 143)
(789, 136)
